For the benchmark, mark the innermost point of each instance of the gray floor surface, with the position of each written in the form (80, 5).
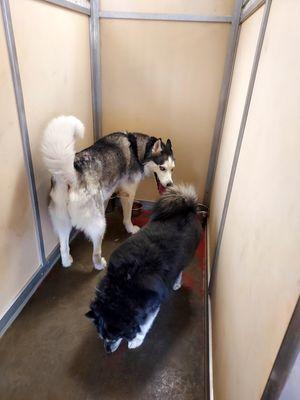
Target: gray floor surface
(52, 351)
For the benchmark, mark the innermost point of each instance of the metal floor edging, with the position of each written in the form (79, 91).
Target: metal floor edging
(28, 290)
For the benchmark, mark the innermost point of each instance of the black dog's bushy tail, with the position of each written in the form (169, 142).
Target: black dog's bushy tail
(177, 200)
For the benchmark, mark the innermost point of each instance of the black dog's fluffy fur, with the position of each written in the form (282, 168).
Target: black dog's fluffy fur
(142, 271)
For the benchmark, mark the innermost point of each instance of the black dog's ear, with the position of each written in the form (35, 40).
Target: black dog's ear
(90, 314)
(169, 146)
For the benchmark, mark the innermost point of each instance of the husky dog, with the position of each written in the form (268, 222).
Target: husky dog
(145, 268)
(82, 183)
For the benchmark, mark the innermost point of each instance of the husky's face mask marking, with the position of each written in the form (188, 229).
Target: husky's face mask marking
(162, 164)
(163, 174)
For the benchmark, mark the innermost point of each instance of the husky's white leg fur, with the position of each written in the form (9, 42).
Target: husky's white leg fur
(178, 282)
(138, 340)
(58, 148)
(61, 220)
(63, 229)
(127, 195)
(95, 231)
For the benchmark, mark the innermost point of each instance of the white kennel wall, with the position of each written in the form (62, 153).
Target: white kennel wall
(192, 7)
(19, 253)
(53, 54)
(242, 69)
(164, 77)
(256, 276)
(55, 75)
(49, 45)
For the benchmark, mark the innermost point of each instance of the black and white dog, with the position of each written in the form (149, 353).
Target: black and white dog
(82, 183)
(145, 268)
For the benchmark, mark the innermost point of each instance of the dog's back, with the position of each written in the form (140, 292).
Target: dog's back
(107, 162)
(111, 158)
(155, 256)
(145, 268)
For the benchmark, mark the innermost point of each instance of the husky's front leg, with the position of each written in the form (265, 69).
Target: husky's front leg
(127, 197)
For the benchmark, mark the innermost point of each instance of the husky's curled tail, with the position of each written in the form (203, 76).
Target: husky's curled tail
(177, 200)
(58, 147)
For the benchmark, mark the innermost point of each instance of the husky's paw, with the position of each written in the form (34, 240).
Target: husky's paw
(132, 228)
(135, 229)
(136, 342)
(99, 262)
(66, 260)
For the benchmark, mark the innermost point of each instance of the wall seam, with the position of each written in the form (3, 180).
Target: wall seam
(95, 68)
(165, 16)
(255, 64)
(286, 356)
(69, 6)
(250, 9)
(223, 100)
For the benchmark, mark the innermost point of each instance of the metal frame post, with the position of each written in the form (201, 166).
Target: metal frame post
(95, 68)
(165, 16)
(70, 6)
(287, 354)
(223, 100)
(250, 8)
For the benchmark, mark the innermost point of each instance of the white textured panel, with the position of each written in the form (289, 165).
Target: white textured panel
(258, 277)
(164, 79)
(241, 75)
(53, 51)
(208, 7)
(18, 248)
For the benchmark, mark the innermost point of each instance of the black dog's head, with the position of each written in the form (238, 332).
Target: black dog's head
(114, 319)
(111, 335)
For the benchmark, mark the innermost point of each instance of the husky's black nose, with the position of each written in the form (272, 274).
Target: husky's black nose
(169, 184)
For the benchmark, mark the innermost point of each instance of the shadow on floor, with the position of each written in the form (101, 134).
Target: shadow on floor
(128, 374)
(52, 351)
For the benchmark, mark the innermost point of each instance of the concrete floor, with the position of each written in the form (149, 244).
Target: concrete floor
(52, 351)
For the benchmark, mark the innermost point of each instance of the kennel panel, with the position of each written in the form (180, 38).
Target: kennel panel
(54, 57)
(241, 75)
(18, 246)
(258, 277)
(164, 79)
(201, 7)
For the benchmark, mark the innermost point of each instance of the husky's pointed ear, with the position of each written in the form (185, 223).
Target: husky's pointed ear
(90, 314)
(157, 147)
(169, 146)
